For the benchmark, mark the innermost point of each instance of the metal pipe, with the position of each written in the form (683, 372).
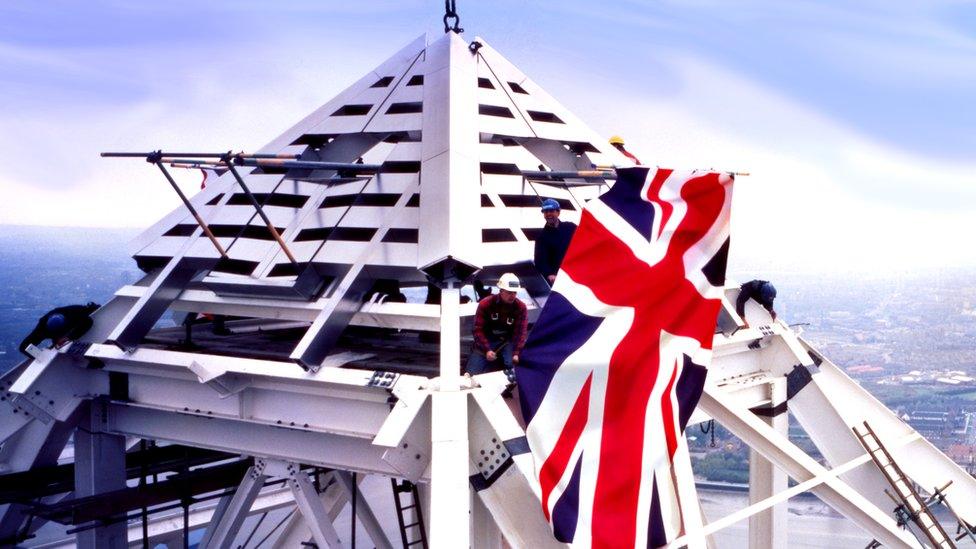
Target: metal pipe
(189, 206)
(160, 154)
(307, 164)
(254, 202)
(585, 174)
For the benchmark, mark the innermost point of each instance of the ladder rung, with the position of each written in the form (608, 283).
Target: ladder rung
(411, 525)
(408, 507)
(416, 542)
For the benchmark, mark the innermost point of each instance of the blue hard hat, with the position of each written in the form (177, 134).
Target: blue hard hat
(55, 322)
(549, 205)
(768, 292)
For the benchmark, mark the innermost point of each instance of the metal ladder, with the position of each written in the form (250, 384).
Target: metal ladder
(420, 532)
(910, 505)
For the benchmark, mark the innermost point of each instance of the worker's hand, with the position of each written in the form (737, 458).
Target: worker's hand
(773, 314)
(745, 324)
(551, 278)
(514, 359)
(491, 356)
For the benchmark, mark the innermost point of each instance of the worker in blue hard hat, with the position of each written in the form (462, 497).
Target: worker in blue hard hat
(762, 292)
(60, 325)
(553, 241)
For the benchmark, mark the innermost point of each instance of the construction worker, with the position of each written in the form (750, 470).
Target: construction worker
(618, 143)
(501, 324)
(551, 246)
(762, 292)
(60, 325)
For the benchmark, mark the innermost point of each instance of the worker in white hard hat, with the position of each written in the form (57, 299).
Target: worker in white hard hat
(618, 143)
(501, 324)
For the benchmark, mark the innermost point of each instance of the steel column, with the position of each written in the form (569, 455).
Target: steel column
(99, 467)
(767, 529)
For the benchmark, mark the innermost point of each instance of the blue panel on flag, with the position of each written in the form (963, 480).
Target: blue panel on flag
(560, 330)
(625, 199)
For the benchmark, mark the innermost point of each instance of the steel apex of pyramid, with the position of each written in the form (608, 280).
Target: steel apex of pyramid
(452, 128)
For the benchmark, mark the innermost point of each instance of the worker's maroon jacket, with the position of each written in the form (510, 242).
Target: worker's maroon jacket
(497, 321)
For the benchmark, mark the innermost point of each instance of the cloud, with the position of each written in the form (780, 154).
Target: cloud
(820, 195)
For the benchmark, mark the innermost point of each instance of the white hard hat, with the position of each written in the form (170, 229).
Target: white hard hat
(509, 282)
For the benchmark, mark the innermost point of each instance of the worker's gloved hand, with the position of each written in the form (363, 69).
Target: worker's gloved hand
(491, 356)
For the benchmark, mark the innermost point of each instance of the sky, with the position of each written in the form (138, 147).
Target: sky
(854, 120)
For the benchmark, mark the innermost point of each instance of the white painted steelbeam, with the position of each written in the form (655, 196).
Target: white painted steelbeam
(364, 513)
(512, 496)
(221, 534)
(163, 290)
(314, 512)
(835, 399)
(754, 432)
(346, 298)
(323, 449)
(295, 532)
(266, 373)
(784, 496)
(409, 316)
(37, 444)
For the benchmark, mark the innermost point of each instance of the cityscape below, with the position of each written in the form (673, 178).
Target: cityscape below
(909, 339)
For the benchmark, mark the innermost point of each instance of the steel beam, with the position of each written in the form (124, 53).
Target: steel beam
(295, 532)
(364, 512)
(350, 453)
(99, 467)
(165, 288)
(314, 512)
(221, 533)
(774, 447)
(38, 444)
(345, 299)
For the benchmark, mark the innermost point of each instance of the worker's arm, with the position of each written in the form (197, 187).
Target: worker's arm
(35, 337)
(478, 331)
(521, 331)
(740, 302)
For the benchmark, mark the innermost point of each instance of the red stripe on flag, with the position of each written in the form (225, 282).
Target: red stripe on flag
(555, 465)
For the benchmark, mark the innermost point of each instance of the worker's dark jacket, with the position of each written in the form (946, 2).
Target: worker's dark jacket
(751, 290)
(77, 321)
(551, 246)
(496, 321)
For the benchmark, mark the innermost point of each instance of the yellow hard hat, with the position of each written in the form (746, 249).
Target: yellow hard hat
(616, 140)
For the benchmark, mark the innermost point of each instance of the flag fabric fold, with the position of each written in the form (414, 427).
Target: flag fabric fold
(617, 360)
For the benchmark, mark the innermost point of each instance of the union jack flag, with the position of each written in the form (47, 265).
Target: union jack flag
(617, 360)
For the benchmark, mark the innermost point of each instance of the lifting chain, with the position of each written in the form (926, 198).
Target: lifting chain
(450, 12)
(708, 428)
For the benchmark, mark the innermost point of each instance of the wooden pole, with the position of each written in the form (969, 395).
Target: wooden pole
(274, 232)
(193, 211)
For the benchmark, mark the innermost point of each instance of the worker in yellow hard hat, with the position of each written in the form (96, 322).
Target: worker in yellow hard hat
(618, 143)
